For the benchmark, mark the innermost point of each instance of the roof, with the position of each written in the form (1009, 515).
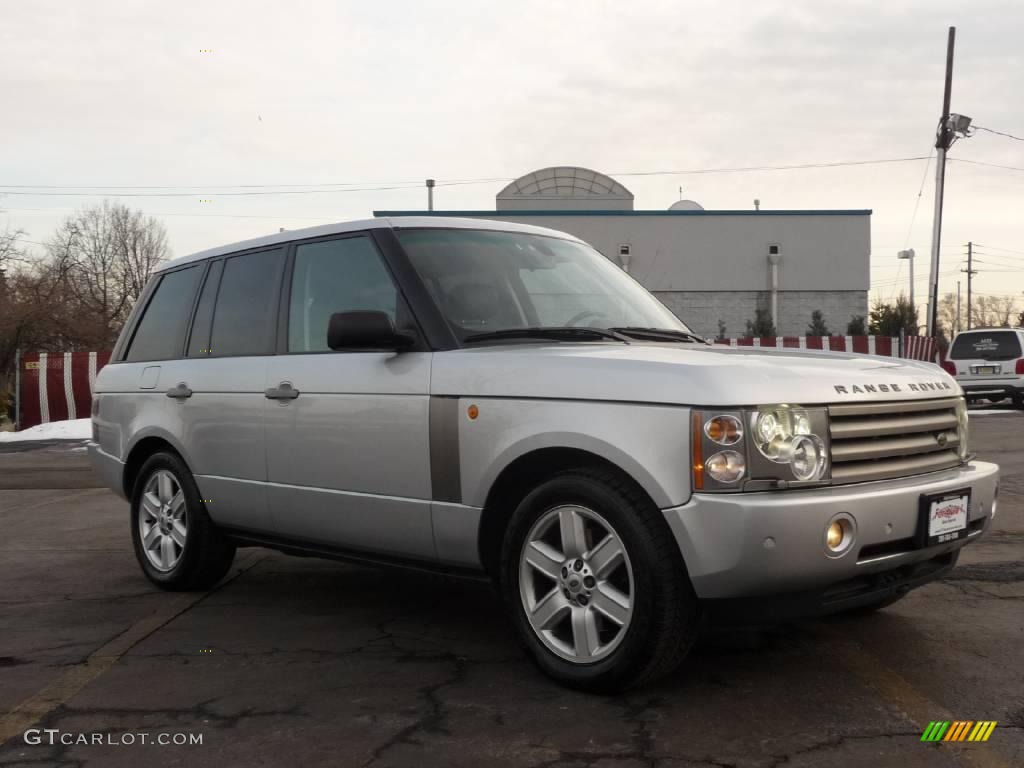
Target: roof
(380, 222)
(515, 213)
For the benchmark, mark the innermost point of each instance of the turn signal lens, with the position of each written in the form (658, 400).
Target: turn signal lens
(726, 466)
(724, 430)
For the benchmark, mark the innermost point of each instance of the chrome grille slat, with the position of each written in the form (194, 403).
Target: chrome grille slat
(878, 441)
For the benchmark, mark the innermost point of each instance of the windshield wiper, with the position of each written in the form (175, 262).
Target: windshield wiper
(659, 334)
(558, 333)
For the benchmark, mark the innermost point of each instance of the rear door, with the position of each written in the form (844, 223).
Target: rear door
(348, 457)
(220, 386)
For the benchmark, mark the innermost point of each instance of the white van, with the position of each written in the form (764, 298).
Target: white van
(988, 363)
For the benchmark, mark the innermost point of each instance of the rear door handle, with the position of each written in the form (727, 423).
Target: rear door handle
(283, 391)
(180, 392)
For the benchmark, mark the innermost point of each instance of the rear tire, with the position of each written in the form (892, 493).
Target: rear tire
(594, 583)
(177, 545)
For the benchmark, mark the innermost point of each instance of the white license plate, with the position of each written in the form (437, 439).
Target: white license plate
(947, 517)
(987, 370)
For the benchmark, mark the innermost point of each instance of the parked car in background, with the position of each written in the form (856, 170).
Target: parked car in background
(501, 401)
(988, 364)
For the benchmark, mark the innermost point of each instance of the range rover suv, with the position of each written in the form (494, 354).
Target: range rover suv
(501, 401)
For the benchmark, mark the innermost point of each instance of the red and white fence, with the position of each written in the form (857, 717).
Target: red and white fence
(909, 347)
(57, 386)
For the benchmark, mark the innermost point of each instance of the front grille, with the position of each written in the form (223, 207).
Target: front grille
(876, 441)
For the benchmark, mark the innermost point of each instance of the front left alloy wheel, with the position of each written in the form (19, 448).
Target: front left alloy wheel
(176, 542)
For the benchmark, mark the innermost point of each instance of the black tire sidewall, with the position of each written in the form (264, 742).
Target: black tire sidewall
(632, 654)
(190, 561)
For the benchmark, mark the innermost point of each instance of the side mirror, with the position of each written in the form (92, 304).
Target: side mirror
(365, 329)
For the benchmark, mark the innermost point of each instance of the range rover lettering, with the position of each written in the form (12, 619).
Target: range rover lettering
(499, 400)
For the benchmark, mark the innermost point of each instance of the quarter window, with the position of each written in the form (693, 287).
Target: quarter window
(335, 276)
(161, 331)
(246, 312)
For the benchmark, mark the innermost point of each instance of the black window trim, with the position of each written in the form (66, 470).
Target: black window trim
(210, 265)
(147, 296)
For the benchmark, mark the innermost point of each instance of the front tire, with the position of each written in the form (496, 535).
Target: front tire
(176, 543)
(595, 584)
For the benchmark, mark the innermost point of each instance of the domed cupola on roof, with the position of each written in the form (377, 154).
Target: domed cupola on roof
(565, 188)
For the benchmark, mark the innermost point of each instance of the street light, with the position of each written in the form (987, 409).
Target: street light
(909, 256)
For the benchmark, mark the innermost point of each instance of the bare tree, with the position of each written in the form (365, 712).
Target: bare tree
(99, 261)
(994, 311)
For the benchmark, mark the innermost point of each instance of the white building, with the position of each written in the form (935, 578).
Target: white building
(707, 266)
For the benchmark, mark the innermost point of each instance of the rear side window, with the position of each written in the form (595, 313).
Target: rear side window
(161, 331)
(245, 316)
(986, 345)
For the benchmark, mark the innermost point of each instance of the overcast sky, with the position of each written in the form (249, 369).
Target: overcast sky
(123, 93)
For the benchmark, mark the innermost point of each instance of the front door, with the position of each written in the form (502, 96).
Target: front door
(348, 455)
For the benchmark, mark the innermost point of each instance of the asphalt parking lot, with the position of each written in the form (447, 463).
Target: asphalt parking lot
(296, 661)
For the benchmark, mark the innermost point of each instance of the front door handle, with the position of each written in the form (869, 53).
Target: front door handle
(180, 392)
(283, 391)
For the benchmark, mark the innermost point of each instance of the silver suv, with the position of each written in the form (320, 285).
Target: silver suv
(496, 400)
(988, 363)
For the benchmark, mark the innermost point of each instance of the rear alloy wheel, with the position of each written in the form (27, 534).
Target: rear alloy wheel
(594, 582)
(176, 542)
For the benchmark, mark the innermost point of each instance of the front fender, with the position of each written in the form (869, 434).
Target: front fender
(650, 443)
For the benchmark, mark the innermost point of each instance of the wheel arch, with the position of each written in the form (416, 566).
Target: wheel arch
(521, 475)
(142, 447)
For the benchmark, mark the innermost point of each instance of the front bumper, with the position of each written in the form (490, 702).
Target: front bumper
(772, 543)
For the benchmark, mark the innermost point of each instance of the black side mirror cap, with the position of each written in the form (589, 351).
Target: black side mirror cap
(365, 329)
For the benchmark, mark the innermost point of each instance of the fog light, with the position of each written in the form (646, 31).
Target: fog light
(839, 535)
(834, 536)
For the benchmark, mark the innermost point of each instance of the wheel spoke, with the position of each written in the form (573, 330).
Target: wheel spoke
(584, 632)
(166, 551)
(550, 610)
(178, 533)
(574, 539)
(151, 505)
(165, 487)
(544, 558)
(151, 537)
(177, 505)
(606, 556)
(611, 603)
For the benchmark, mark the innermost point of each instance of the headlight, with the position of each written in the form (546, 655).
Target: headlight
(961, 430)
(726, 466)
(807, 457)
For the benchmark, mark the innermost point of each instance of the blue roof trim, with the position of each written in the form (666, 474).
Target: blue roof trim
(512, 214)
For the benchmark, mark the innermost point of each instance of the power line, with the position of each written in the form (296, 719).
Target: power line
(998, 133)
(997, 248)
(988, 165)
(282, 189)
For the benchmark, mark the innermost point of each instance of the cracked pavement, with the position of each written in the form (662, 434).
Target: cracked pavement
(295, 661)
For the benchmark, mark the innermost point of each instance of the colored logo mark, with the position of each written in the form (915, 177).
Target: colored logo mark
(959, 730)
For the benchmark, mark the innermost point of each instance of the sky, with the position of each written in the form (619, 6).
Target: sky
(180, 104)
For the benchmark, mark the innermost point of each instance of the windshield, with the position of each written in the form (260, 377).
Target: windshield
(986, 345)
(493, 281)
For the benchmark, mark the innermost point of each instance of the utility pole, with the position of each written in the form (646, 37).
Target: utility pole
(971, 272)
(943, 142)
(430, 194)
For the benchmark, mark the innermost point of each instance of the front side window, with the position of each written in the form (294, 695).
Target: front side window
(492, 281)
(986, 345)
(245, 314)
(161, 331)
(342, 275)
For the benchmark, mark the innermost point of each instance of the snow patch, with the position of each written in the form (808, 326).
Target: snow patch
(74, 429)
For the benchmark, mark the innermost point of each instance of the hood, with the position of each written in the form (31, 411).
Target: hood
(684, 374)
